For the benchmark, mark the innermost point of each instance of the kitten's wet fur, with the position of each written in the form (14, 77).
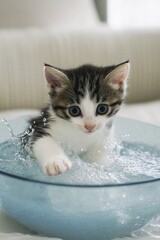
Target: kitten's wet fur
(82, 104)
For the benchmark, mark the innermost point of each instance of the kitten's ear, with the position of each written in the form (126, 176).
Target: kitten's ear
(117, 77)
(56, 79)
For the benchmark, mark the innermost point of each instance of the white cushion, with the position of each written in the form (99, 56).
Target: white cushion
(147, 112)
(44, 13)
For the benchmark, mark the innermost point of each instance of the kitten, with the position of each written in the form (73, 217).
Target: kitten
(82, 104)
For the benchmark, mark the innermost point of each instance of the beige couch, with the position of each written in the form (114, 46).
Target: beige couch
(23, 52)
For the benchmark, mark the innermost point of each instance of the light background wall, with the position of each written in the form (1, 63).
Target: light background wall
(45, 13)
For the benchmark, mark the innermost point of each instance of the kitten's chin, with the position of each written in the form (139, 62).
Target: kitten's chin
(90, 132)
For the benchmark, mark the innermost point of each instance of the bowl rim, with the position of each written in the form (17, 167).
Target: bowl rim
(107, 185)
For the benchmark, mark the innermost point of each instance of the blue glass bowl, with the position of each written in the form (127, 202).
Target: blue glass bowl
(88, 212)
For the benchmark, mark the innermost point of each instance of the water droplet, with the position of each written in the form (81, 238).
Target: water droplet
(44, 120)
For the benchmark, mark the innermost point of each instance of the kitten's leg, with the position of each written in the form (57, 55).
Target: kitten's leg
(51, 156)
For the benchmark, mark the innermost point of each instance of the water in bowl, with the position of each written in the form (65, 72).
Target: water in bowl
(133, 162)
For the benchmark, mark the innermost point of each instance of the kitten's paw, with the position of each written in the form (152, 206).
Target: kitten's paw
(57, 165)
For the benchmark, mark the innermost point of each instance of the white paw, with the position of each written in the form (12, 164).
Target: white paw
(57, 165)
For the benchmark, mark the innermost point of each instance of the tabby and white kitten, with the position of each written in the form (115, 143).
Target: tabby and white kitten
(79, 115)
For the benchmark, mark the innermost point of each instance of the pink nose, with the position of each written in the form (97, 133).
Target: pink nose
(89, 127)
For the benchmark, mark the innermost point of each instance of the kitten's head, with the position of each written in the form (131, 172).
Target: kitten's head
(87, 96)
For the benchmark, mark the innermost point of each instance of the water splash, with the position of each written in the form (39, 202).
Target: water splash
(19, 142)
(8, 126)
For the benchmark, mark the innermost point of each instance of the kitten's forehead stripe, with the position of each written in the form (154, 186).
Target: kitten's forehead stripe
(87, 77)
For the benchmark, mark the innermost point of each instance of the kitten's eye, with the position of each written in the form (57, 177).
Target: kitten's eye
(74, 111)
(102, 109)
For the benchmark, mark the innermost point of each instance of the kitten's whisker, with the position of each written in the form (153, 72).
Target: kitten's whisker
(79, 126)
(99, 126)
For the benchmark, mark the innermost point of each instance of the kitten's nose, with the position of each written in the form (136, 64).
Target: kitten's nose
(89, 127)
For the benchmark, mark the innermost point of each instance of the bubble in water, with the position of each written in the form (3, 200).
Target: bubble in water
(44, 121)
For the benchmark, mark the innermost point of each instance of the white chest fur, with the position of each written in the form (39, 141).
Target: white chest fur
(75, 139)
